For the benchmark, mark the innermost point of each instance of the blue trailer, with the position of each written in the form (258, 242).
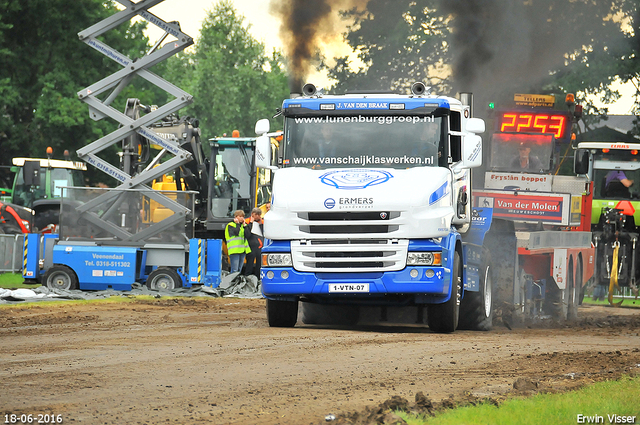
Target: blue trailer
(89, 266)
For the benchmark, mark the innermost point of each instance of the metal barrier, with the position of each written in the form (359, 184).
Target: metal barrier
(11, 253)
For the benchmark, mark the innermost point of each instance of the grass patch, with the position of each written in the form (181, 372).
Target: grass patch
(628, 302)
(600, 399)
(14, 281)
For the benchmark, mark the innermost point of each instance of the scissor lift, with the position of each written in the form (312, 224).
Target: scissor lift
(105, 240)
(129, 179)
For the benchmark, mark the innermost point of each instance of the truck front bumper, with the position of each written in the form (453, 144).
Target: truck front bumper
(278, 281)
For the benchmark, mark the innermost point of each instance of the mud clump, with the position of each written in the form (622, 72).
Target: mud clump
(384, 413)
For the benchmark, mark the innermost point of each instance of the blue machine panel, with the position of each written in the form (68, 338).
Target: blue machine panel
(205, 262)
(213, 277)
(31, 252)
(99, 267)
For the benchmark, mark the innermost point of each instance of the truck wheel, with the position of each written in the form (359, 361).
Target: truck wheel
(320, 314)
(556, 300)
(443, 318)
(164, 278)
(282, 314)
(61, 277)
(575, 298)
(476, 308)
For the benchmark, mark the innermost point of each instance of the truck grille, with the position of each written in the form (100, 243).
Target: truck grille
(349, 222)
(349, 255)
(349, 216)
(356, 229)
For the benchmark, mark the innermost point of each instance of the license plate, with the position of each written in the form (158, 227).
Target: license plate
(348, 287)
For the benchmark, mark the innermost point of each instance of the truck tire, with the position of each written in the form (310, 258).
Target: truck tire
(501, 242)
(61, 277)
(320, 314)
(164, 278)
(443, 318)
(282, 314)
(575, 295)
(476, 308)
(556, 300)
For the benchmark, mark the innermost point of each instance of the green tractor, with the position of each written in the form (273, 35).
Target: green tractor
(614, 169)
(34, 203)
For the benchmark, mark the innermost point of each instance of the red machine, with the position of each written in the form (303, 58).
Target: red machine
(540, 235)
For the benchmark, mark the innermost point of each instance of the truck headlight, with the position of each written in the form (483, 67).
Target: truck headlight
(277, 260)
(424, 259)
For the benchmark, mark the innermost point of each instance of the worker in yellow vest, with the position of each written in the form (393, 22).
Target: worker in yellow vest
(255, 236)
(235, 234)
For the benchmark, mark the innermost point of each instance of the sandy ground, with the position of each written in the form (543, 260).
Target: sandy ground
(216, 361)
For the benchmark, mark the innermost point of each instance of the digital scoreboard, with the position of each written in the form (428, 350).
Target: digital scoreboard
(557, 124)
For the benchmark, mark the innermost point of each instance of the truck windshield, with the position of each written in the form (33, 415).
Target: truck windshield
(521, 152)
(612, 170)
(62, 177)
(55, 178)
(363, 141)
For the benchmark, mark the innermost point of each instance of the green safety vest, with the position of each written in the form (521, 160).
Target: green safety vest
(236, 244)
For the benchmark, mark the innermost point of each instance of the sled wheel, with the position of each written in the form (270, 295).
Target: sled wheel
(61, 277)
(164, 278)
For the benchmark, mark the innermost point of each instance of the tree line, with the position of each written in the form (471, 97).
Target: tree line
(493, 48)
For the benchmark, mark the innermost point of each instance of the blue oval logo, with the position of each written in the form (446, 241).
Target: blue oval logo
(329, 203)
(355, 179)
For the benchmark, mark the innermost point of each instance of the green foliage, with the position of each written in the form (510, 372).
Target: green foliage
(233, 81)
(589, 68)
(45, 65)
(399, 44)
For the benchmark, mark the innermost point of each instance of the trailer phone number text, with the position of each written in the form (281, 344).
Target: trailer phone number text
(99, 263)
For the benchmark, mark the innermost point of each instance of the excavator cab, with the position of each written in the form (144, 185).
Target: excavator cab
(232, 182)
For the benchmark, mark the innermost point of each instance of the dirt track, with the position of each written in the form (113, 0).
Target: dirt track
(217, 361)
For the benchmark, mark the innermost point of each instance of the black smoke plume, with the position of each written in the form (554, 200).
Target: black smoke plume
(500, 47)
(304, 24)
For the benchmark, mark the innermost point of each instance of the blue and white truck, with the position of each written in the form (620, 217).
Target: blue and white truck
(371, 206)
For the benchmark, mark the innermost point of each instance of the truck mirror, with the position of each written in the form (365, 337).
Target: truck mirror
(262, 127)
(32, 173)
(263, 151)
(475, 125)
(472, 151)
(581, 161)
